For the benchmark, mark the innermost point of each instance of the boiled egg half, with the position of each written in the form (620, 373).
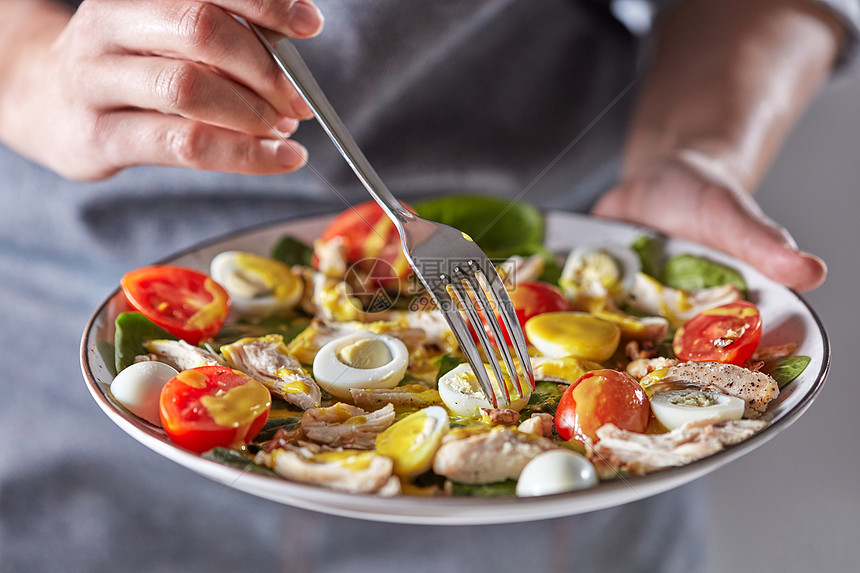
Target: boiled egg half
(138, 388)
(461, 392)
(675, 408)
(579, 334)
(360, 360)
(258, 286)
(411, 442)
(556, 471)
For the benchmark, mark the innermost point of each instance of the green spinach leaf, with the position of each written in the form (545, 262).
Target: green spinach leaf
(235, 459)
(785, 368)
(500, 227)
(498, 489)
(132, 331)
(690, 272)
(544, 398)
(447, 362)
(292, 251)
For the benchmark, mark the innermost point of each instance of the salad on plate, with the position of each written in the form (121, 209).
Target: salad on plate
(327, 363)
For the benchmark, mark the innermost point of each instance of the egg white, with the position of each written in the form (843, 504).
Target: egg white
(461, 393)
(337, 378)
(138, 388)
(676, 415)
(556, 471)
(248, 299)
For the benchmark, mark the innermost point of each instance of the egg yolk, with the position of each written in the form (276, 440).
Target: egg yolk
(365, 353)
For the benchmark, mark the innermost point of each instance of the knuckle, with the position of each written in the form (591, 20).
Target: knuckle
(176, 85)
(198, 23)
(186, 143)
(259, 9)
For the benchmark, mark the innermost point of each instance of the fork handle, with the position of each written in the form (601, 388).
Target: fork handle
(293, 65)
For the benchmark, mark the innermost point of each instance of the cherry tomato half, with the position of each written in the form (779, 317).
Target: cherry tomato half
(372, 244)
(729, 333)
(531, 299)
(602, 397)
(186, 303)
(213, 406)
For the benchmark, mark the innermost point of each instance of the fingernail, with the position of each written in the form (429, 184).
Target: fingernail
(291, 154)
(305, 19)
(300, 108)
(286, 125)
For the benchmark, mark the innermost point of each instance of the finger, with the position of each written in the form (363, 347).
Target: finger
(141, 137)
(190, 90)
(295, 18)
(747, 233)
(205, 33)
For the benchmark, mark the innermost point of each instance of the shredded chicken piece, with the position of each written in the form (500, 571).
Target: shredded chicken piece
(406, 396)
(755, 388)
(350, 471)
(344, 425)
(266, 359)
(621, 450)
(489, 456)
(540, 423)
(181, 355)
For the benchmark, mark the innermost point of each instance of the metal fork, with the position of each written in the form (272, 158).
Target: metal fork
(455, 271)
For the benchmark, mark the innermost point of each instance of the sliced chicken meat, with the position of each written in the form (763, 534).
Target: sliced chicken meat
(181, 355)
(487, 456)
(623, 451)
(350, 471)
(344, 425)
(266, 359)
(756, 389)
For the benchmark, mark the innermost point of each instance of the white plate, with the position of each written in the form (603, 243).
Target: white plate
(786, 318)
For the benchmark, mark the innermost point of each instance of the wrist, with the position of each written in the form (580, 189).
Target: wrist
(27, 33)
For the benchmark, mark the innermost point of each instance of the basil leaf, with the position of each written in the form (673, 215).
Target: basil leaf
(500, 227)
(292, 251)
(234, 459)
(690, 272)
(785, 368)
(132, 331)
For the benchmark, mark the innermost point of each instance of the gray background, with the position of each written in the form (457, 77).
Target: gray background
(793, 504)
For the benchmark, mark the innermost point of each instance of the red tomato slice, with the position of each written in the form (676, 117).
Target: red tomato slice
(531, 299)
(186, 303)
(602, 397)
(372, 244)
(213, 406)
(728, 334)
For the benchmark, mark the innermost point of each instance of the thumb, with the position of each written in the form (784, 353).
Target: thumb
(743, 230)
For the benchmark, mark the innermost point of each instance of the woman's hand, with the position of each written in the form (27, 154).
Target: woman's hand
(165, 82)
(686, 195)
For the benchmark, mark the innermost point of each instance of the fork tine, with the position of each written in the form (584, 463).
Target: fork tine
(488, 308)
(509, 317)
(457, 286)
